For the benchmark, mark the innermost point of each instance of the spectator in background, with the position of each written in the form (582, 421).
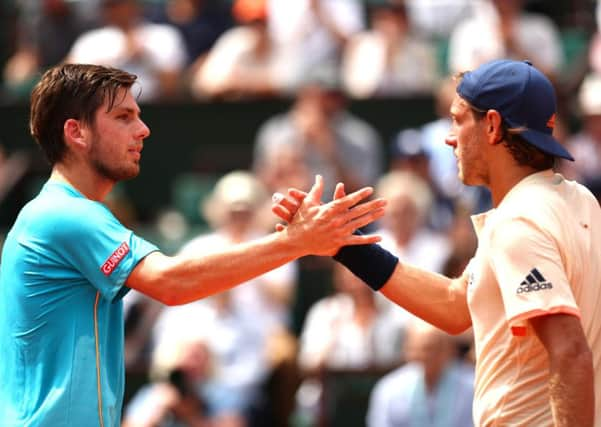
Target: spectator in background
(594, 50)
(353, 329)
(388, 59)
(502, 29)
(46, 30)
(314, 32)
(245, 62)
(13, 167)
(247, 329)
(585, 145)
(407, 153)
(287, 169)
(335, 143)
(437, 18)
(181, 371)
(200, 22)
(403, 227)
(156, 53)
(238, 347)
(233, 211)
(434, 388)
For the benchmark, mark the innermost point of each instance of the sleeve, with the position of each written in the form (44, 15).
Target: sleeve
(377, 409)
(544, 41)
(165, 47)
(90, 48)
(532, 280)
(317, 334)
(97, 245)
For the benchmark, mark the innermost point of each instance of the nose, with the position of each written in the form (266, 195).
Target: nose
(143, 131)
(451, 140)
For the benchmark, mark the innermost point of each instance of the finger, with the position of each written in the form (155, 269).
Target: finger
(290, 204)
(365, 239)
(317, 190)
(281, 212)
(297, 194)
(276, 198)
(339, 192)
(352, 199)
(364, 220)
(364, 208)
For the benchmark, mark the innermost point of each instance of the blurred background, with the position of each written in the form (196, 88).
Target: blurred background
(248, 97)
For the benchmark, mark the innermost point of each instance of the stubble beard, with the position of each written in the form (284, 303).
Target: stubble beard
(108, 169)
(115, 173)
(470, 164)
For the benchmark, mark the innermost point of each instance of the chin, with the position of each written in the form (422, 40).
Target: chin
(466, 179)
(124, 174)
(131, 175)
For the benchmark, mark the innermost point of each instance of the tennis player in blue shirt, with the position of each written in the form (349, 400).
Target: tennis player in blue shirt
(67, 261)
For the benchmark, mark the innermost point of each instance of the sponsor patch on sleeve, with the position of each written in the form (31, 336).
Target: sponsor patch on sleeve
(113, 261)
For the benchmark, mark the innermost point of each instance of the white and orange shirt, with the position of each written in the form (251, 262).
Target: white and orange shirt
(539, 252)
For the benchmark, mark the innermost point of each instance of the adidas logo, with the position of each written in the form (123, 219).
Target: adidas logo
(534, 281)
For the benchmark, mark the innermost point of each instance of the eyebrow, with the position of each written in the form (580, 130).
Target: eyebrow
(128, 110)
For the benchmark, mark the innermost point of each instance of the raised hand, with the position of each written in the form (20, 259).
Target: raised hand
(323, 228)
(285, 207)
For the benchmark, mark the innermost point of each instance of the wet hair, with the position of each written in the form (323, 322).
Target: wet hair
(71, 91)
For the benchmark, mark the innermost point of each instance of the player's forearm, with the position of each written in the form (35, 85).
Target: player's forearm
(571, 389)
(430, 296)
(188, 277)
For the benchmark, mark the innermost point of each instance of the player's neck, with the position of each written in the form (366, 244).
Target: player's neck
(83, 180)
(504, 177)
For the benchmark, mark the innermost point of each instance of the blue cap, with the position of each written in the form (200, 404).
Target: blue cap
(523, 96)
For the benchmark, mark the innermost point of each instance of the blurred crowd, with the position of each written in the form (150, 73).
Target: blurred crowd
(207, 49)
(265, 353)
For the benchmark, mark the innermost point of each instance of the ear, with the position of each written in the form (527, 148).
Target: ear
(76, 135)
(494, 127)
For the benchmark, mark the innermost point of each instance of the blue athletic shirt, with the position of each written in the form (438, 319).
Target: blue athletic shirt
(62, 274)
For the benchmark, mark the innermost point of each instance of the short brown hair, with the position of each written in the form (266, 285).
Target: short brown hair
(71, 91)
(524, 153)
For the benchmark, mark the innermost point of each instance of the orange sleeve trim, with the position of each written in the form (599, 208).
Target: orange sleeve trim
(520, 331)
(98, 383)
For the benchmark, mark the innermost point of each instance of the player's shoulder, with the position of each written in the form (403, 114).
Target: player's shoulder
(543, 195)
(63, 201)
(58, 208)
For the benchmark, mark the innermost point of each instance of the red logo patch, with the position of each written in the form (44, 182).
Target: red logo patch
(551, 122)
(113, 261)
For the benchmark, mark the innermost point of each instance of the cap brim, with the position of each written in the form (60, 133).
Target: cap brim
(546, 143)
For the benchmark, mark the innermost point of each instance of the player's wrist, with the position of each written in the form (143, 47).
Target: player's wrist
(371, 263)
(292, 242)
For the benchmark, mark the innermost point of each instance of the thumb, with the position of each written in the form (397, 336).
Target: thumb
(317, 190)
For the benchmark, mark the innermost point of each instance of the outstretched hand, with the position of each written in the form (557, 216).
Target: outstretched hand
(323, 228)
(286, 206)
